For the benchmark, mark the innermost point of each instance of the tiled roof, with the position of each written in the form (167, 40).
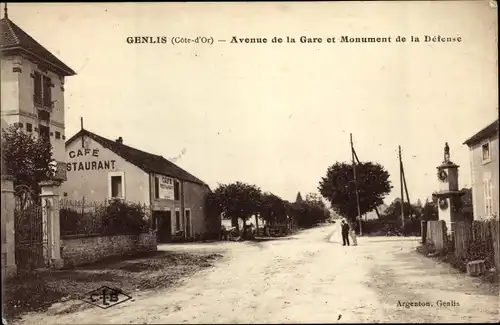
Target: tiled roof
(490, 130)
(146, 161)
(13, 38)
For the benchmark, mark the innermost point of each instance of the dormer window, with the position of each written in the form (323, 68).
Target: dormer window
(42, 86)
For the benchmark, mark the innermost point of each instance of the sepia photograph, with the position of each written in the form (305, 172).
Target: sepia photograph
(250, 162)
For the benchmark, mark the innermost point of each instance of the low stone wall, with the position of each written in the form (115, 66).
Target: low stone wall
(79, 251)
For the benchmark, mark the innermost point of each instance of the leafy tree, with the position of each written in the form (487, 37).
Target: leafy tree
(236, 201)
(315, 199)
(212, 207)
(393, 212)
(430, 210)
(26, 158)
(119, 218)
(272, 209)
(308, 213)
(419, 205)
(467, 208)
(338, 187)
(320, 211)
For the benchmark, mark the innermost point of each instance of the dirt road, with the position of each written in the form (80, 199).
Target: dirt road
(307, 278)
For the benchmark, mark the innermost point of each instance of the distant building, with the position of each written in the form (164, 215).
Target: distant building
(32, 88)
(100, 169)
(484, 171)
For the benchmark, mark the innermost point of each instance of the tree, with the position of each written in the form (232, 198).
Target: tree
(319, 209)
(272, 209)
(299, 198)
(430, 211)
(339, 189)
(315, 199)
(26, 158)
(419, 206)
(467, 207)
(309, 212)
(236, 201)
(393, 212)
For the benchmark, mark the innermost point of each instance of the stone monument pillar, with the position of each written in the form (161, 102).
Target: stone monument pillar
(50, 205)
(449, 202)
(8, 202)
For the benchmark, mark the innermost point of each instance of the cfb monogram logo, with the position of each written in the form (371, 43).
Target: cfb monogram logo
(105, 297)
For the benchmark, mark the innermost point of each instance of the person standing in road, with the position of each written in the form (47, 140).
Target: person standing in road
(345, 233)
(352, 233)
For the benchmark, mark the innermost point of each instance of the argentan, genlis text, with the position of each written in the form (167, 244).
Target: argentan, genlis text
(147, 39)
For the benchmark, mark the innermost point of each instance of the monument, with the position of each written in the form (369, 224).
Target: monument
(448, 196)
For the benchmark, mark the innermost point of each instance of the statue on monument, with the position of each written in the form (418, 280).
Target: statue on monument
(446, 153)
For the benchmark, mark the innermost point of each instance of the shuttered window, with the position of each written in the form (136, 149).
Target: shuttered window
(488, 195)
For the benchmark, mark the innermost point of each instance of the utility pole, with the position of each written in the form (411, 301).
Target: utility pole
(402, 190)
(356, 186)
(406, 189)
(81, 125)
(357, 160)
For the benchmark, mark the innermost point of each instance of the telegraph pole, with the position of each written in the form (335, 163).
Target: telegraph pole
(356, 186)
(357, 160)
(81, 125)
(402, 190)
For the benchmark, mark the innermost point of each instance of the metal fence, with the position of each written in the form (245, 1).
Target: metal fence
(87, 218)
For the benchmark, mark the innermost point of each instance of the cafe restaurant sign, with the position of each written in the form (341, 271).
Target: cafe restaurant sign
(88, 165)
(166, 188)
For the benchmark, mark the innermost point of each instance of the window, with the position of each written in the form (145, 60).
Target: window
(37, 97)
(42, 88)
(157, 187)
(177, 220)
(177, 194)
(485, 149)
(116, 185)
(488, 195)
(44, 131)
(29, 127)
(47, 92)
(58, 135)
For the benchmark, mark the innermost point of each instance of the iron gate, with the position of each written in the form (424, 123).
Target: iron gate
(30, 230)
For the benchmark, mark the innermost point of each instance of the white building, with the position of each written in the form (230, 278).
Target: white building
(32, 88)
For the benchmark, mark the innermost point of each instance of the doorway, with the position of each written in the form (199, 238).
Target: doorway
(187, 215)
(164, 226)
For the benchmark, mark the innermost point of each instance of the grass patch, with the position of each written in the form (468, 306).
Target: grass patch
(37, 292)
(459, 263)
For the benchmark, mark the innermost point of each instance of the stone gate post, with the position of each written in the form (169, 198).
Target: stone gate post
(9, 267)
(50, 201)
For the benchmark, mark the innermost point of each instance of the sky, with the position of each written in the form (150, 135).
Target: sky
(278, 115)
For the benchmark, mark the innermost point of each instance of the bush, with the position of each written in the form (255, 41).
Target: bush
(391, 227)
(121, 218)
(480, 250)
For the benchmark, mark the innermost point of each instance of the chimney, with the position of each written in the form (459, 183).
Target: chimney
(119, 140)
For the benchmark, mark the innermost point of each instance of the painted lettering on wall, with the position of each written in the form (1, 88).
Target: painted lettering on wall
(84, 152)
(88, 165)
(166, 188)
